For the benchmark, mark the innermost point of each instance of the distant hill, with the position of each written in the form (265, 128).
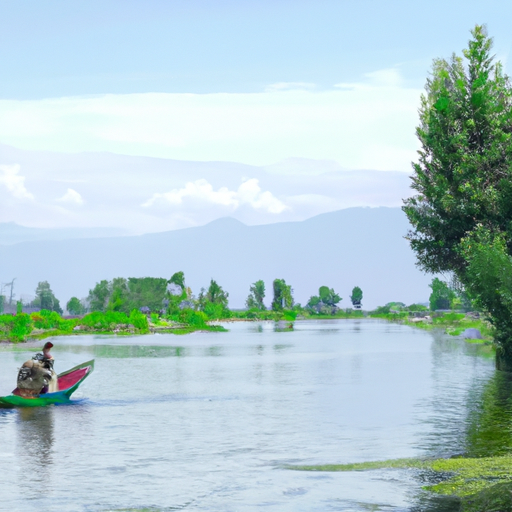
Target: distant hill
(12, 233)
(342, 249)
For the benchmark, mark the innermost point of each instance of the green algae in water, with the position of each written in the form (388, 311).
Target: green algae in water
(479, 482)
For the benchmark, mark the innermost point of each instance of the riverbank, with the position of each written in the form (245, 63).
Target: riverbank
(43, 324)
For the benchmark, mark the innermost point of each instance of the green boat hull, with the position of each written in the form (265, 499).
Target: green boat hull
(68, 383)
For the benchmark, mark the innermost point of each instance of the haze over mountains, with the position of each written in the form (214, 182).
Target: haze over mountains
(143, 194)
(341, 249)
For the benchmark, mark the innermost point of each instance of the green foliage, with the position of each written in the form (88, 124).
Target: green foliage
(464, 180)
(325, 302)
(124, 295)
(441, 296)
(490, 272)
(45, 299)
(463, 176)
(118, 291)
(19, 307)
(290, 316)
(416, 307)
(104, 321)
(178, 278)
(283, 295)
(214, 303)
(99, 295)
(357, 296)
(46, 319)
(139, 321)
(192, 317)
(173, 297)
(20, 327)
(75, 307)
(256, 296)
(328, 296)
(216, 295)
(381, 310)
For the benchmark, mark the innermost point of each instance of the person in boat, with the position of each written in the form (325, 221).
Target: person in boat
(37, 375)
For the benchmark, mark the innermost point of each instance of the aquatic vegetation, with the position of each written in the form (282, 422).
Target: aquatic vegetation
(477, 481)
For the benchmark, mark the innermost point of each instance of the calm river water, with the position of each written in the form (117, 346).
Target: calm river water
(209, 421)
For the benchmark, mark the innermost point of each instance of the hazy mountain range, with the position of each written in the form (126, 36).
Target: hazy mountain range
(341, 249)
(140, 194)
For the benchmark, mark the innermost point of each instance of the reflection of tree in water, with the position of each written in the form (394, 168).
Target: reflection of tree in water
(489, 430)
(473, 417)
(35, 435)
(455, 369)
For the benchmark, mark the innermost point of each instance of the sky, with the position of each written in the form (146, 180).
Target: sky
(280, 109)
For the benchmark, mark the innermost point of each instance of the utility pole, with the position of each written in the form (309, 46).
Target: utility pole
(11, 284)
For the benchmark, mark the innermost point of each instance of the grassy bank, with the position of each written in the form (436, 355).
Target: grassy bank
(452, 323)
(23, 327)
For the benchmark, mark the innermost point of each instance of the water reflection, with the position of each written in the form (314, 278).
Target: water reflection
(137, 351)
(34, 450)
(489, 431)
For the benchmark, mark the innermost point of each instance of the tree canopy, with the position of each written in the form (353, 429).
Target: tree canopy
(283, 295)
(357, 296)
(74, 306)
(256, 296)
(125, 295)
(461, 215)
(325, 302)
(45, 299)
(442, 295)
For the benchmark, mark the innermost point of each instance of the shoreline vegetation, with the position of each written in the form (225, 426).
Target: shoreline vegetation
(24, 327)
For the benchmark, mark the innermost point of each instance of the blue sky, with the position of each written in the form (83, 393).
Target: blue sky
(63, 48)
(285, 92)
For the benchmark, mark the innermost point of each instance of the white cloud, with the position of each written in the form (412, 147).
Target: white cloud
(71, 197)
(386, 77)
(350, 124)
(15, 184)
(249, 193)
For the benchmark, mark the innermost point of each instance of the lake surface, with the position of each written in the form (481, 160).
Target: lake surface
(209, 421)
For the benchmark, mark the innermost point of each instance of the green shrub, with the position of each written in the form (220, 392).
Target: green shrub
(139, 320)
(21, 327)
(192, 317)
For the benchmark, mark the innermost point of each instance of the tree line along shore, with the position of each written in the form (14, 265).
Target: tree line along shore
(148, 305)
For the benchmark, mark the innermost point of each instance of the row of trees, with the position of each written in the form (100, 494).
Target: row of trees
(325, 302)
(152, 295)
(461, 215)
(170, 296)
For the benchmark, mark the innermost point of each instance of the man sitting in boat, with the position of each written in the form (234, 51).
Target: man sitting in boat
(37, 376)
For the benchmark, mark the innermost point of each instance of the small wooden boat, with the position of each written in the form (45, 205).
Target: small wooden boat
(68, 383)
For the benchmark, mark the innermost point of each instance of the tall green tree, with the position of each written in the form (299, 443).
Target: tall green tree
(442, 295)
(214, 301)
(357, 296)
(45, 298)
(216, 295)
(75, 307)
(463, 177)
(325, 302)
(283, 295)
(98, 297)
(256, 296)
